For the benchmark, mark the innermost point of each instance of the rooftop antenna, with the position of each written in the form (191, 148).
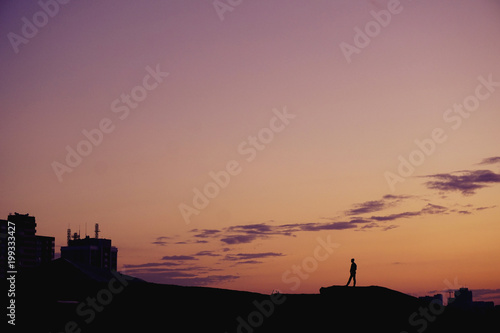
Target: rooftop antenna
(69, 234)
(85, 229)
(97, 230)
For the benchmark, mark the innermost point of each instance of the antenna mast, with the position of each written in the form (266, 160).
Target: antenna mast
(97, 230)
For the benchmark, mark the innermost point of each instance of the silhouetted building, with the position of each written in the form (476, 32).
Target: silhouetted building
(44, 249)
(462, 299)
(480, 305)
(438, 298)
(31, 250)
(95, 252)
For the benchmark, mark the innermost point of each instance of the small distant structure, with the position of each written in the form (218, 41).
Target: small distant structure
(31, 250)
(68, 236)
(463, 300)
(94, 252)
(437, 298)
(97, 230)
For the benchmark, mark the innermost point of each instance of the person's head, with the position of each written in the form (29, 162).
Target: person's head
(352, 260)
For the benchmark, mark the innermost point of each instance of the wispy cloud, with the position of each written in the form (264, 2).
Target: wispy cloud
(179, 258)
(185, 273)
(490, 160)
(162, 240)
(466, 182)
(205, 233)
(183, 278)
(239, 239)
(371, 206)
(250, 258)
(207, 253)
(247, 256)
(367, 207)
(484, 208)
(428, 209)
(359, 217)
(150, 264)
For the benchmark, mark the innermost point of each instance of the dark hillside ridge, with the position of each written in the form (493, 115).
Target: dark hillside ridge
(66, 297)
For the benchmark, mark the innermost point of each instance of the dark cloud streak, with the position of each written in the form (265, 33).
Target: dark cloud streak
(466, 182)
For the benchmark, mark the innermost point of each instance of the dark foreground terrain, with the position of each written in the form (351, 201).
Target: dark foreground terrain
(64, 297)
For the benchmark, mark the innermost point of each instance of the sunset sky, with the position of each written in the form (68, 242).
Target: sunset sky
(261, 145)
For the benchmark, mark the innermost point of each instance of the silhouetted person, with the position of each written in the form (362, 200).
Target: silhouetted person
(354, 267)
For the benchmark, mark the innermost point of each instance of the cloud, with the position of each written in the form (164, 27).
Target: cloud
(367, 207)
(150, 264)
(483, 208)
(197, 241)
(161, 240)
(360, 220)
(466, 182)
(434, 209)
(241, 234)
(205, 233)
(184, 279)
(247, 233)
(396, 216)
(370, 226)
(486, 294)
(238, 239)
(207, 253)
(180, 258)
(324, 226)
(490, 160)
(392, 226)
(247, 256)
(428, 209)
(371, 206)
(253, 262)
(188, 274)
(260, 230)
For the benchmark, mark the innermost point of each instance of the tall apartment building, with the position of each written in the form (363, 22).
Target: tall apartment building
(31, 250)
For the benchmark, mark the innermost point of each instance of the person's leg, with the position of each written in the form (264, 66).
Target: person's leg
(354, 280)
(350, 277)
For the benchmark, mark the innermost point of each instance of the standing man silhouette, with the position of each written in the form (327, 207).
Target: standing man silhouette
(354, 267)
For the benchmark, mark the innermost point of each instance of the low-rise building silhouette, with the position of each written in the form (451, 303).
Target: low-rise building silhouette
(463, 300)
(94, 252)
(437, 298)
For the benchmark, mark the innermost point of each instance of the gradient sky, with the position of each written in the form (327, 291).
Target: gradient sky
(323, 175)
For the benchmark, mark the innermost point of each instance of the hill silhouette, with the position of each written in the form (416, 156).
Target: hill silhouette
(66, 297)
